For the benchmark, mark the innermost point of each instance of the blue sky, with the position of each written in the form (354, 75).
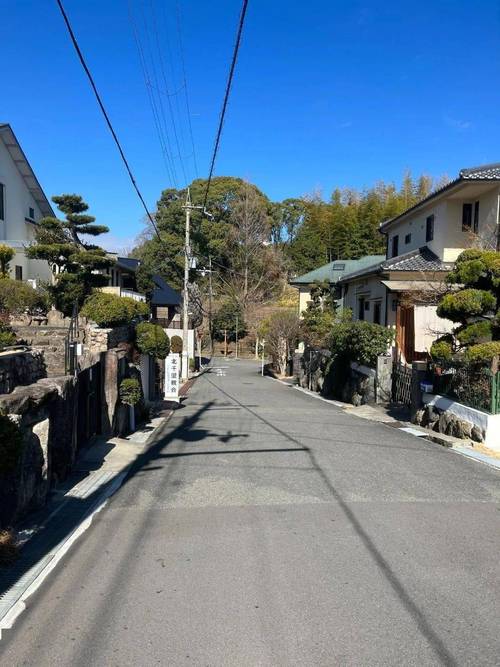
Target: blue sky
(326, 94)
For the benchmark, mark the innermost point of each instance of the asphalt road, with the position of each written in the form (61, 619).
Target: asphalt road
(269, 528)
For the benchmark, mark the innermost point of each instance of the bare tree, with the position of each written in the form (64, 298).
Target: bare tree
(256, 265)
(281, 331)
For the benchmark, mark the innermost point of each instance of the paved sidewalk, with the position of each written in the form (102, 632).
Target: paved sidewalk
(45, 536)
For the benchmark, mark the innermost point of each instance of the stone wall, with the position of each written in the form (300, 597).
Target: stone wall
(46, 414)
(355, 384)
(50, 340)
(21, 367)
(444, 421)
(100, 340)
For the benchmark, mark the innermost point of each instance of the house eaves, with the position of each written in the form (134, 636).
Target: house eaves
(23, 166)
(420, 260)
(480, 174)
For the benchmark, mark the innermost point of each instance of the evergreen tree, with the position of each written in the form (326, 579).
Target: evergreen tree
(73, 262)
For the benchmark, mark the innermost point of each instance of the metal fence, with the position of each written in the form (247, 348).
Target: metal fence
(473, 385)
(401, 383)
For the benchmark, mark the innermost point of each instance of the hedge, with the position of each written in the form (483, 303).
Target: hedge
(108, 310)
(151, 339)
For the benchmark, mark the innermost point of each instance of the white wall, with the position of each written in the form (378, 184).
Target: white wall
(449, 238)
(15, 231)
(428, 327)
(372, 291)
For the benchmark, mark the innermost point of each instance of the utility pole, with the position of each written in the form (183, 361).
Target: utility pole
(185, 303)
(188, 207)
(210, 304)
(236, 333)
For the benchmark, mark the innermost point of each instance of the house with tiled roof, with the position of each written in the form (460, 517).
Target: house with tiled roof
(402, 290)
(330, 273)
(22, 205)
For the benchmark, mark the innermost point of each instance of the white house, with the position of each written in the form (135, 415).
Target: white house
(422, 244)
(22, 204)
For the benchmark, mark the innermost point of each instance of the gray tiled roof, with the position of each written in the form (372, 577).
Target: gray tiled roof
(484, 172)
(422, 259)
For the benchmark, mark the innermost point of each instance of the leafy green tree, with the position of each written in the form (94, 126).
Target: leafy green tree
(225, 320)
(74, 262)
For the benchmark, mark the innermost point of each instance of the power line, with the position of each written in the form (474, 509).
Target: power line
(163, 139)
(163, 73)
(106, 117)
(184, 76)
(226, 98)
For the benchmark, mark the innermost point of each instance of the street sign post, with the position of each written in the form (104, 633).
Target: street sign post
(172, 377)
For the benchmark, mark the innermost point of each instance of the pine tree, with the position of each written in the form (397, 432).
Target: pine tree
(73, 262)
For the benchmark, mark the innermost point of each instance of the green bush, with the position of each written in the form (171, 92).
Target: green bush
(10, 445)
(176, 344)
(7, 338)
(479, 332)
(18, 297)
(130, 391)
(359, 341)
(6, 254)
(316, 326)
(151, 339)
(109, 310)
(441, 350)
(461, 305)
(483, 352)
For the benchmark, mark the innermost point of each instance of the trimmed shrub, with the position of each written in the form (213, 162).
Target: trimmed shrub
(458, 307)
(151, 339)
(10, 445)
(130, 391)
(109, 310)
(479, 332)
(176, 344)
(441, 350)
(483, 352)
(360, 341)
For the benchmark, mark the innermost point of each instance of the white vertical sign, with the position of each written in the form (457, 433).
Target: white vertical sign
(172, 376)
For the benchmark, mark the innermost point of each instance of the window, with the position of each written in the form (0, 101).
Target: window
(476, 217)
(376, 312)
(395, 246)
(429, 228)
(367, 305)
(408, 239)
(466, 217)
(338, 267)
(31, 214)
(2, 201)
(19, 272)
(361, 309)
